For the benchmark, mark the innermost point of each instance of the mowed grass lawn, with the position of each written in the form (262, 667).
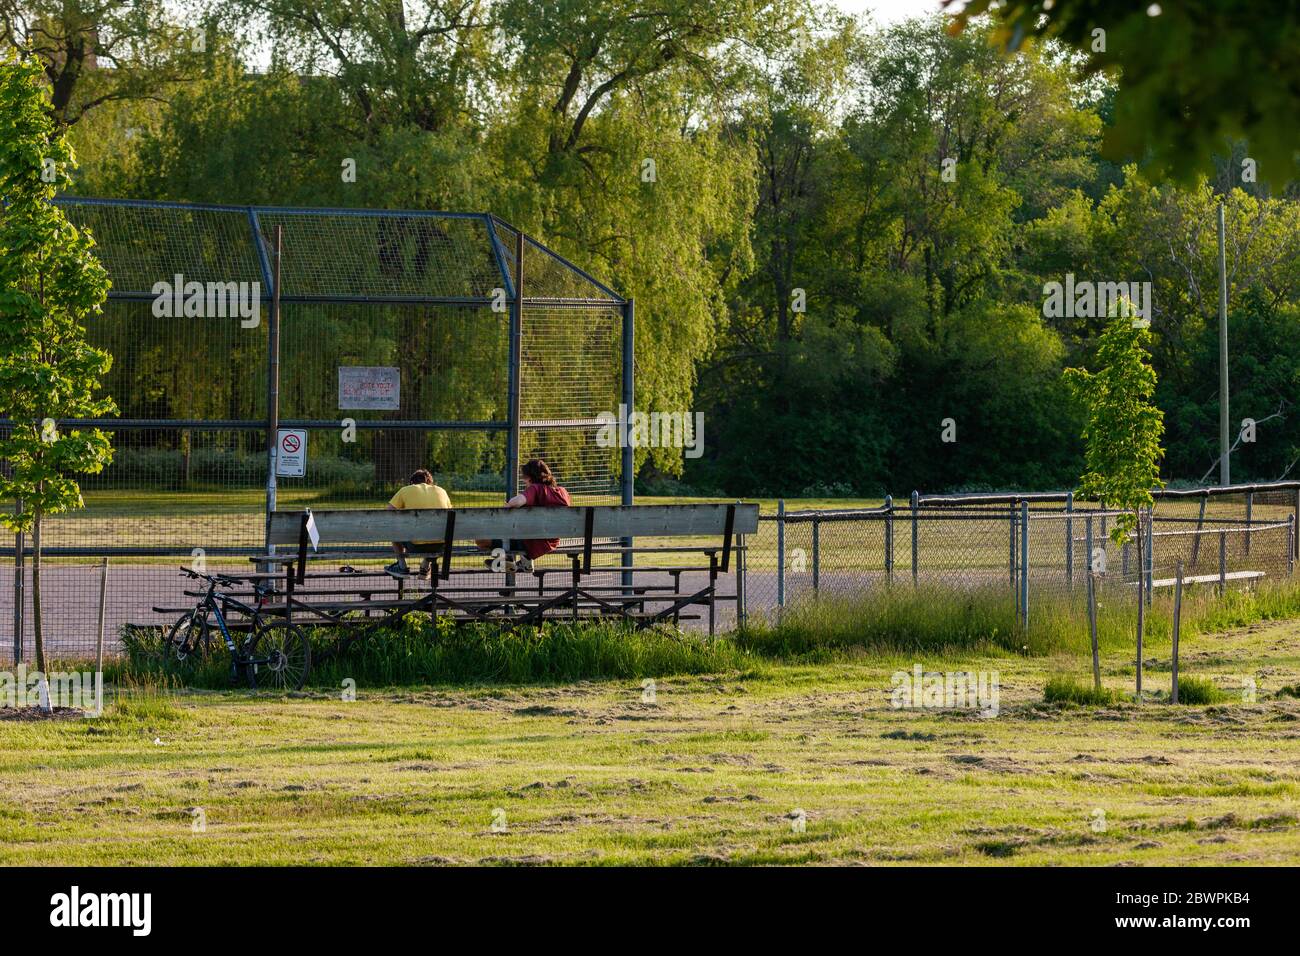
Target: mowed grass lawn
(708, 772)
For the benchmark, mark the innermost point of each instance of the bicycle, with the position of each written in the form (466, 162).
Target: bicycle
(276, 651)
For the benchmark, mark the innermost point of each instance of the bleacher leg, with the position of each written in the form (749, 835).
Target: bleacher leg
(577, 578)
(288, 592)
(713, 593)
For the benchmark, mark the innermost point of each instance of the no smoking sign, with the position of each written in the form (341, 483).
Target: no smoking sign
(291, 455)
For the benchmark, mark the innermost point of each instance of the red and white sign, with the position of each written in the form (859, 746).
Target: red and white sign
(369, 387)
(291, 453)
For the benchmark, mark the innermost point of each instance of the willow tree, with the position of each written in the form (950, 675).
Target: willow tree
(50, 281)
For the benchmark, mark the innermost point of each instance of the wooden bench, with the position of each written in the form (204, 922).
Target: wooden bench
(314, 536)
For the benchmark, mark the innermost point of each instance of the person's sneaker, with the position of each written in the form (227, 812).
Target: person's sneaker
(425, 567)
(398, 569)
(524, 565)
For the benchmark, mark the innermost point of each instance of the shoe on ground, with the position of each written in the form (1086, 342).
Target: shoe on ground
(426, 566)
(398, 569)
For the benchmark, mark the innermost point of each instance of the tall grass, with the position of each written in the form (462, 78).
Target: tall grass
(422, 651)
(1199, 690)
(901, 619)
(1066, 689)
(926, 618)
(885, 619)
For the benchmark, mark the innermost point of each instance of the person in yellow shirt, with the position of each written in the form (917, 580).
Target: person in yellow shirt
(419, 494)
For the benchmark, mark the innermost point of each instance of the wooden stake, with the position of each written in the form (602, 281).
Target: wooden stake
(1178, 610)
(1142, 602)
(1092, 628)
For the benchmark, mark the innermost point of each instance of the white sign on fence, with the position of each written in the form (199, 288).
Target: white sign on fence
(369, 387)
(291, 453)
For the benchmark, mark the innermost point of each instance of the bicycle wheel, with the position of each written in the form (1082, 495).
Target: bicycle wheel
(284, 656)
(187, 642)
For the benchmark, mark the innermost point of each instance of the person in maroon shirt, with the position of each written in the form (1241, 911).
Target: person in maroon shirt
(542, 492)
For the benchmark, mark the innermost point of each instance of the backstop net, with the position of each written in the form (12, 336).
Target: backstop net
(404, 338)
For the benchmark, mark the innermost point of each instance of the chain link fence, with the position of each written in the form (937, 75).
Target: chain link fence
(1030, 546)
(489, 349)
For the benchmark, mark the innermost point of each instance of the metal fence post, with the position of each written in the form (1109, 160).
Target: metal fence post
(780, 553)
(816, 549)
(1151, 553)
(1024, 565)
(1295, 515)
(741, 589)
(1011, 558)
(1290, 545)
(514, 372)
(20, 572)
(273, 388)
(889, 539)
(1069, 541)
(1087, 542)
(916, 502)
(628, 477)
(1223, 562)
(1250, 508)
(1196, 538)
(99, 640)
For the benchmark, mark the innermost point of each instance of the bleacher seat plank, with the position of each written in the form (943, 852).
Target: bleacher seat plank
(361, 525)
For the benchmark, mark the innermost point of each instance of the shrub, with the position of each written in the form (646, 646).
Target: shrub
(1199, 690)
(1065, 689)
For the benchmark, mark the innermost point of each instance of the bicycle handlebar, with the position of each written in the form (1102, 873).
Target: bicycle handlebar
(222, 579)
(226, 580)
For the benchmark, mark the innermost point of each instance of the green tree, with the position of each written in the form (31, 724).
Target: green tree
(50, 281)
(1192, 76)
(96, 52)
(1122, 432)
(1123, 429)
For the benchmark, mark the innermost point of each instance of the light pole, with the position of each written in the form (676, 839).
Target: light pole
(1225, 476)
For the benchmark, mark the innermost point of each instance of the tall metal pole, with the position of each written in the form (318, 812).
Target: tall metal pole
(629, 398)
(273, 386)
(780, 553)
(1069, 540)
(916, 503)
(889, 539)
(1225, 476)
(514, 367)
(1024, 565)
(20, 573)
(99, 638)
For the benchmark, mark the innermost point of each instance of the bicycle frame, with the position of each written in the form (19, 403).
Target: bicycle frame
(216, 604)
